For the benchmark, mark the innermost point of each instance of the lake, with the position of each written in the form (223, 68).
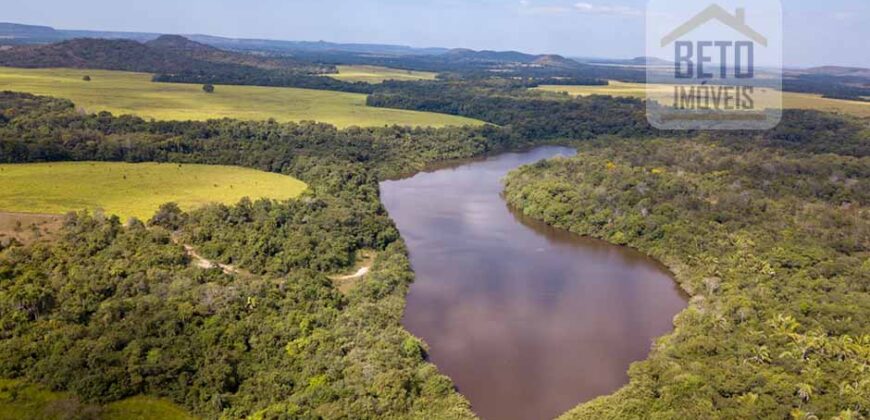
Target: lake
(527, 320)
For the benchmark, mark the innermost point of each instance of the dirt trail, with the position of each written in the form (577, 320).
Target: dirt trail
(202, 262)
(359, 273)
(365, 260)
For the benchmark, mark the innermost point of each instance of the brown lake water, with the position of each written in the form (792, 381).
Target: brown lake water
(527, 320)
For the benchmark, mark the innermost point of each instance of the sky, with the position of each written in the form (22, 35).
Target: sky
(830, 32)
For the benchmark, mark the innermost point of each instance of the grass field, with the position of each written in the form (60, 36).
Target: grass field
(132, 190)
(375, 74)
(24, 401)
(789, 99)
(134, 93)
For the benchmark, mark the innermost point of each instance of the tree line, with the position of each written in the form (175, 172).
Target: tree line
(278, 340)
(773, 244)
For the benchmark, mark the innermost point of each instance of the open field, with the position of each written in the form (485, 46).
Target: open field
(790, 99)
(134, 93)
(22, 401)
(375, 74)
(133, 190)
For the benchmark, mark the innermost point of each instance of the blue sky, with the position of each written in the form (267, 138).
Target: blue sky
(835, 32)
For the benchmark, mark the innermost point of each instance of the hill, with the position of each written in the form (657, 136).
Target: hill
(16, 32)
(176, 44)
(166, 54)
(839, 71)
(275, 53)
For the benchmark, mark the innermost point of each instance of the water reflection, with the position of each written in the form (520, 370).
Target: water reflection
(527, 320)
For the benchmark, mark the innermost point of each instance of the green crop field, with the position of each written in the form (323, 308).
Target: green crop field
(791, 100)
(133, 190)
(375, 74)
(19, 400)
(134, 93)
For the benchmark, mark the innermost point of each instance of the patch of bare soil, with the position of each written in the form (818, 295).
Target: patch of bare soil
(27, 228)
(364, 261)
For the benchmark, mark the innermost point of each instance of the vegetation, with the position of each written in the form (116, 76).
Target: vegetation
(166, 54)
(208, 88)
(26, 228)
(375, 74)
(126, 314)
(530, 114)
(289, 64)
(772, 243)
(134, 93)
(829, 83)
(133, 190)
(256, 77)
(790, 100)
(19, 400)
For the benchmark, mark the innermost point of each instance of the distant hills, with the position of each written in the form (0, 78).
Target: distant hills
(164, 54)
(21, 34)
(167, 53)
(205, 58)
(637, 61)
(856, 72)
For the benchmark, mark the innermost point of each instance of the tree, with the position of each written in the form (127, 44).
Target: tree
(169, 216)
(208, 88)
(86, 78)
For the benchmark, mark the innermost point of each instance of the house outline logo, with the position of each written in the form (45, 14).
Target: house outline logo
(736, 21)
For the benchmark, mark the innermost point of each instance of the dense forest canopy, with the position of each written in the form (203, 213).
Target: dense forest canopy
(772, 243)
(277, 339)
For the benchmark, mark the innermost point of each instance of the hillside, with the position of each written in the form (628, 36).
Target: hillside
(33, 33)
(276, 54)
(135, 94)
(839, 71)
(176, 44)
(166, 54)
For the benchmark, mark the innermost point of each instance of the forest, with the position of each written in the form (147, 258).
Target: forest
(274, 341)
(767, 230)
(772, 243)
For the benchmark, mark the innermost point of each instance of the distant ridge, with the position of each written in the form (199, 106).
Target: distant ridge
(192, 44)
(165, 54)
(840, 71)
(14, 31)
(21, 34)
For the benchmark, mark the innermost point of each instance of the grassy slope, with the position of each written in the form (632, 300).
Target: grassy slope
(790, 99)
(134, 93)
(20, 401)
(133, 189)
(375, 74)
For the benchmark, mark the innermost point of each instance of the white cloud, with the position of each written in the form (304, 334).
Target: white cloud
(530, 7)
(592, 9)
